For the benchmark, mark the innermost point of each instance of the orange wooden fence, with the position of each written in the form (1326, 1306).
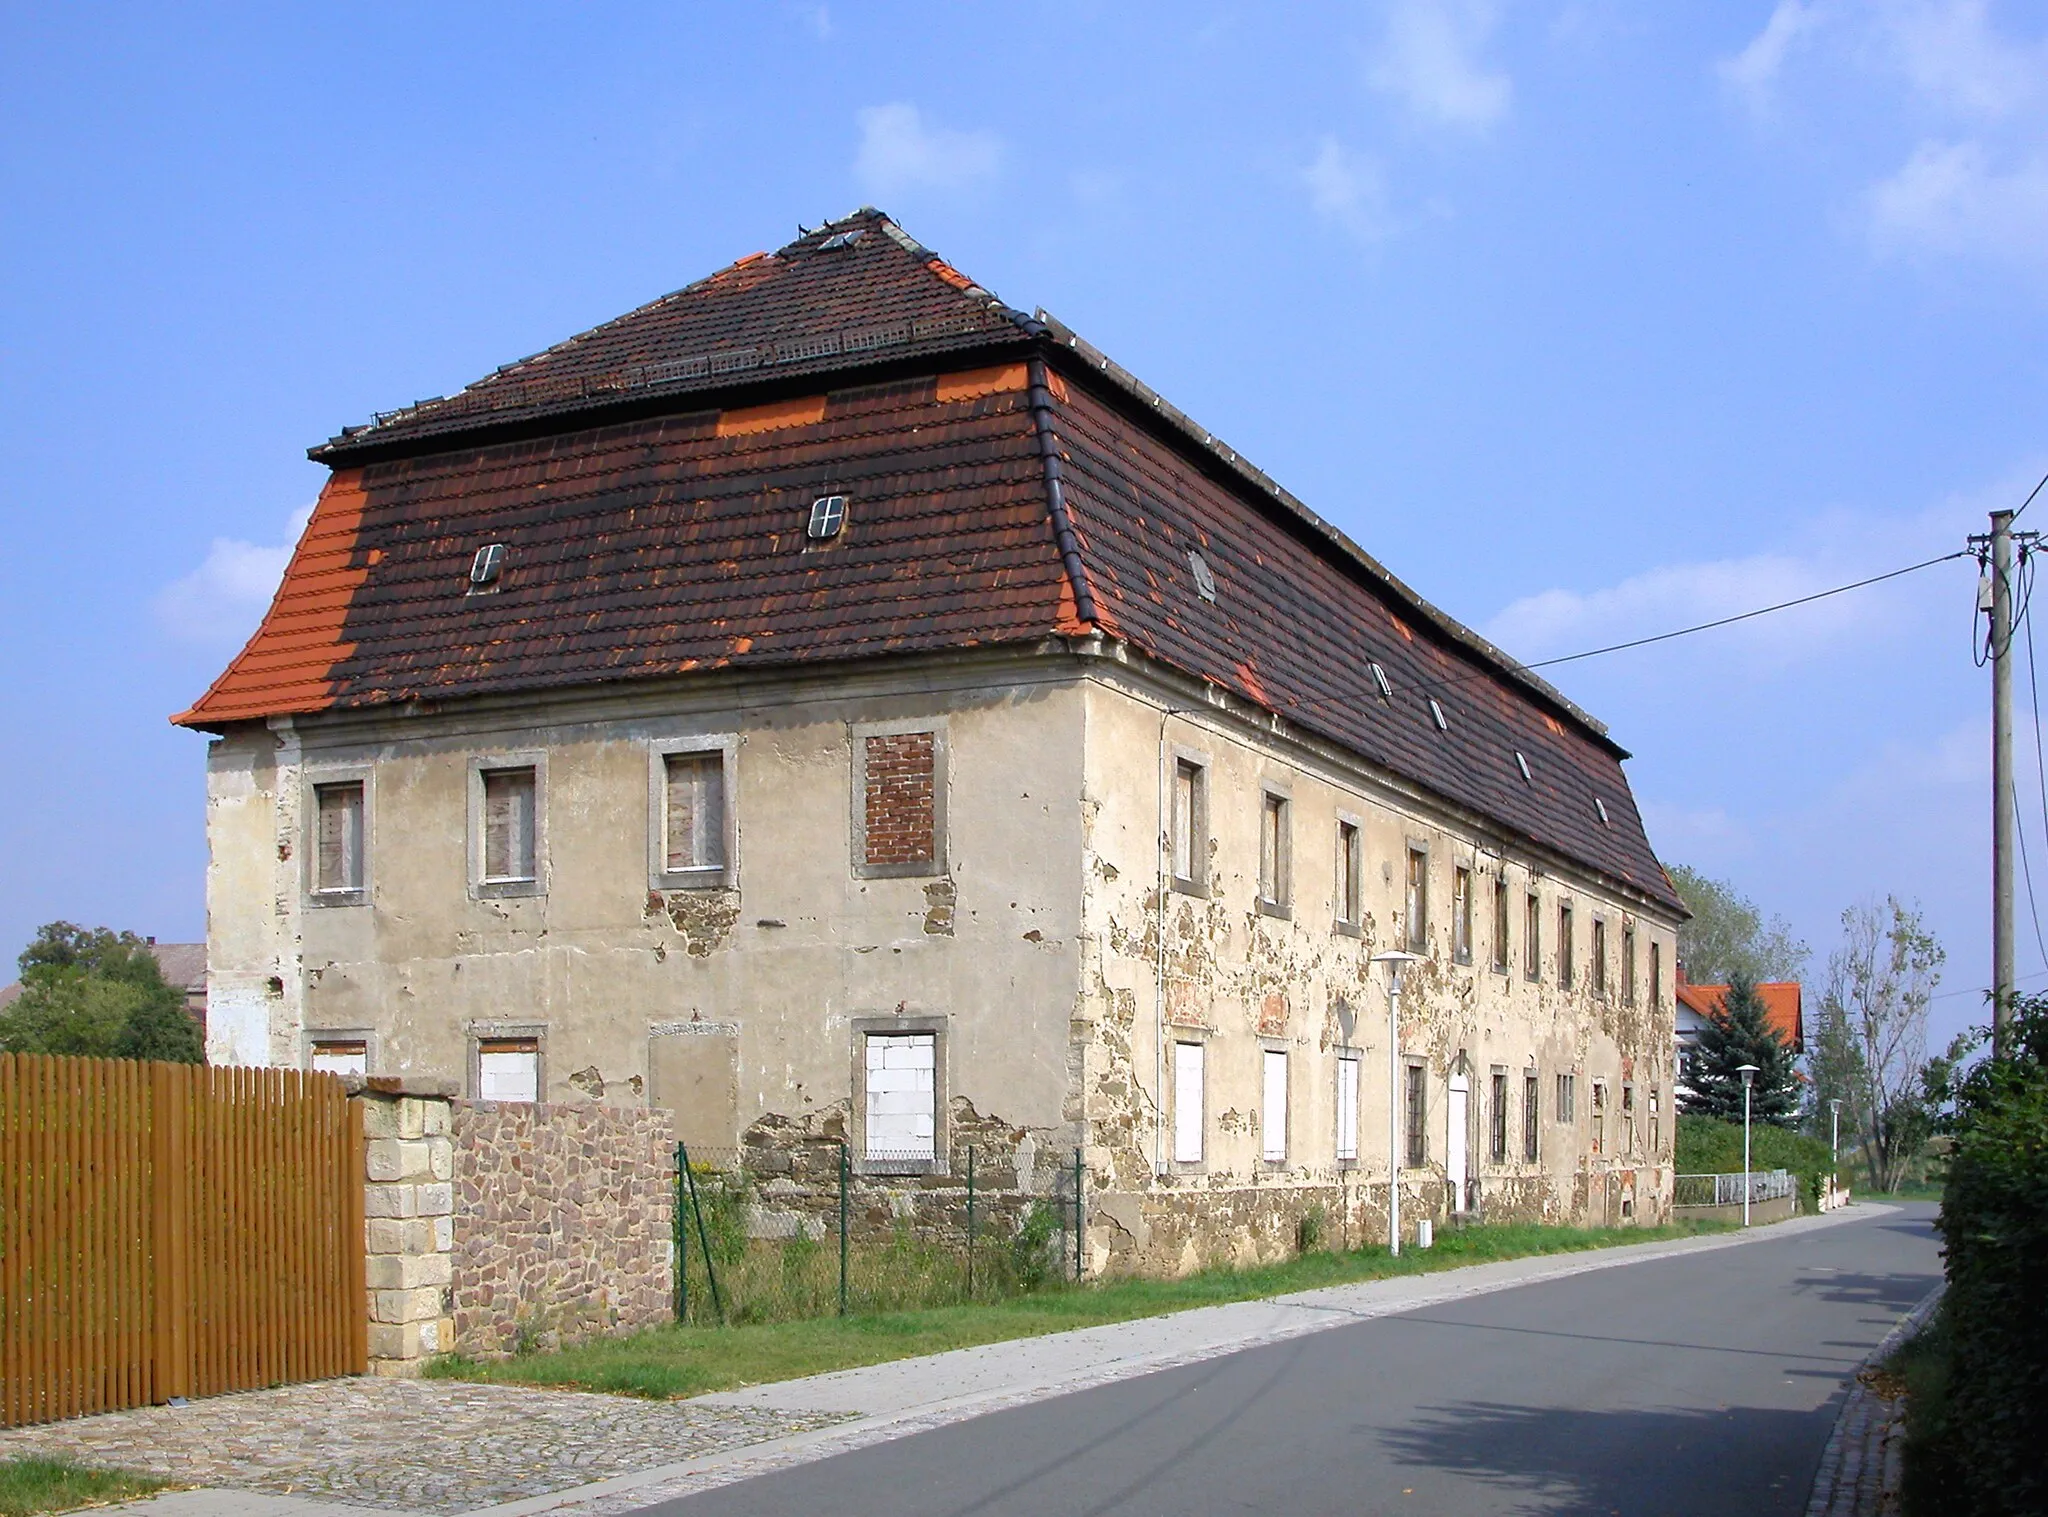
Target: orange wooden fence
(171, 1230)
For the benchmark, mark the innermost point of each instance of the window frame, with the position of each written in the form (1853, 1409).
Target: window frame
(480, 1033)
(1629, 977)
(1503, 924)
(1532, 1115)
(901, 1025)
(317, 779)
(1197, 765)
(1567, 966)
(1565, 1108)
(1656, 975)
(1596, 964)
(504, 761)
(1350, 914)
(364, 1038)
(1532, 936)
(1497, 1089)
(1182, 1042)
(1415, 899)
(1276, 894)
(857, 735)
(1461, 914)
(659, 875)
(1598, 1147)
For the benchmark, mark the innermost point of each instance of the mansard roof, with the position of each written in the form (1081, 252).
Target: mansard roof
(1005, 483)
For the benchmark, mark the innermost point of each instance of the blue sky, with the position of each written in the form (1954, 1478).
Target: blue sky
(1591, 318)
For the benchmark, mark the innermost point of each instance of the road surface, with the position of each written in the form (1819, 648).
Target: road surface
(1705, 1383)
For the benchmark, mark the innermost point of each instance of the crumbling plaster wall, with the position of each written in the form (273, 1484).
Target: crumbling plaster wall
(791, 954)
(1241, 981)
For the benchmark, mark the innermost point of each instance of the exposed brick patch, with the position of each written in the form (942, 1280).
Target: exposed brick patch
(900, 819)
(563, 1219)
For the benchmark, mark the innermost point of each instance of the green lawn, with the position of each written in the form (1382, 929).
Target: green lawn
(56, 1485)
(687, 1361)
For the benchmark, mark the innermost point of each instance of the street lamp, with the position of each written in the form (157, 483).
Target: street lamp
(1748, 1073)
(1394, 960)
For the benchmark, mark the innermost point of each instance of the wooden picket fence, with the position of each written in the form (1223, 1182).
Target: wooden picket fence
(172, 1230)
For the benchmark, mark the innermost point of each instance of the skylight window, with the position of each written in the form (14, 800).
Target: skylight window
(1205, 578)
(828, 515)
(1523, 765)
(483, 569)
(1436, 713)
(841, 240)
(1601, 807)
(1379, 678)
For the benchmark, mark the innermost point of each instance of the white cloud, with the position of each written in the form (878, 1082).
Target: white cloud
(1349, 191)
(219, 603)
(1753, 71)
(1950, 198)
(900, 151)
(1429, 62)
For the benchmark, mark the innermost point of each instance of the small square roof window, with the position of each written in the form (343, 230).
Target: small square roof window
(1436, 713)
(483, 569)
(1205, 578)
(1523, 765)
(1381, 682)
(828, 515)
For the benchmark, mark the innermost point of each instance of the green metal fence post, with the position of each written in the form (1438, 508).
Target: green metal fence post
(845, 1173)
(970, 1222)
(680, 1245)
(1078, 1223)
(703, 1236)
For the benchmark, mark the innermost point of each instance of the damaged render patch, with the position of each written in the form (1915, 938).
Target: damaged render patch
(703, 919)
(939, 899)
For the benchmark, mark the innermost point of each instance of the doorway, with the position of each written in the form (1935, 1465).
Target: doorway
(1454, 1146)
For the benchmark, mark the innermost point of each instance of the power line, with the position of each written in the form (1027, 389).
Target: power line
(2030, 497)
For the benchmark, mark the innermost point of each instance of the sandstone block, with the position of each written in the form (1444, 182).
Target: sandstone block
(444, 1234)
(391, 1200)
(424, 1304)
(436, 1200)
(435, 1119)
(380, 1118)
(387, 1235)
(440, 1158)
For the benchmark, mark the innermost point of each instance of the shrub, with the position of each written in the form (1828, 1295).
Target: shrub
(1034, 1250)
(1705, 1146)
(1308, 1232)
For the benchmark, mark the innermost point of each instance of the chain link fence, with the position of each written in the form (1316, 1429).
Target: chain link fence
(807, 1229)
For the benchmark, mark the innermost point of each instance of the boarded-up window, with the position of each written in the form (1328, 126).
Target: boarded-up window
(1273, 1111)
(509, 818)
(1599, 957)
(1628, 965)
(1461, 915)
(1530, 1116)
(340, 1056)
(1656, 974)
(900, 807)
(901, 1115)
(338, 838)
(1417, 1114)
(1187, 1103)
(1347, 1107)
(1497, 1117)
(1565, 967)
(1532, 937)
(1188, 822)
(508, 1069)
(1273, 841)
(1350, 873)
(1418, 901)
(695, 811)
(1500, 923)
(1599, 1116)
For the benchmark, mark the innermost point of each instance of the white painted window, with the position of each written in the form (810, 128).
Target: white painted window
(1187, 1103)
(901, 1115)
(1273, 1117)
(350, 1056)
(509, 819)
(1347, 1107)
(338, 838)
(508, 1069)
(695, 810)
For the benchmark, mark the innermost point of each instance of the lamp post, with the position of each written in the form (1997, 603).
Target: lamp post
(1748, 1073)
(1394, 960)
(1835, 1142)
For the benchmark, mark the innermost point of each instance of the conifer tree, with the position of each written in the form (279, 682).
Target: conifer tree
(1741, 1035)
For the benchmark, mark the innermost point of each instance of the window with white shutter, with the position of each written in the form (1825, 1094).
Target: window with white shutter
(1347, 1107)
(1187, 1103)
(1273, 1109)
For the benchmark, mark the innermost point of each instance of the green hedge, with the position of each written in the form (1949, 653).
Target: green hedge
(1709, 1147)
(1988, 1447)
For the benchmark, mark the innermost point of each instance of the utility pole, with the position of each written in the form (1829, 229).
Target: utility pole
(1996, 598)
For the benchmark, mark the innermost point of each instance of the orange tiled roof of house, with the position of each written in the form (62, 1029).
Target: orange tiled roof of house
(1783, 1008)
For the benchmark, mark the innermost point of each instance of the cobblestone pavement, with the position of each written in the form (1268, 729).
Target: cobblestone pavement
(1860, 1469)
(437, 1446)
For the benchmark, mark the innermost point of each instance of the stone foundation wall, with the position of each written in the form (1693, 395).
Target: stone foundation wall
(408, 1226)
(563, 1223)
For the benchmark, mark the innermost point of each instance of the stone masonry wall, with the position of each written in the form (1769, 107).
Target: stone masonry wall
(408, 1225)
(562, 1225)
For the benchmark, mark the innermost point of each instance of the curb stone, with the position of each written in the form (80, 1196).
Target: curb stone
(1860, 1468)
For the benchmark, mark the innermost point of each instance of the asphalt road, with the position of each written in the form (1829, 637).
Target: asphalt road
(1701, 1384)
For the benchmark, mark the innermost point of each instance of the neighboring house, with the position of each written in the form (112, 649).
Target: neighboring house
(183, 965)
(1783, 1012)
(828, 700)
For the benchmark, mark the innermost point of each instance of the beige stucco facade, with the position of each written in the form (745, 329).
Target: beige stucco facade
(1033, 949)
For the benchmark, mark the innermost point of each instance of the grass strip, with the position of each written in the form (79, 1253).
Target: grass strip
(57, 1485)
(676, 1360)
